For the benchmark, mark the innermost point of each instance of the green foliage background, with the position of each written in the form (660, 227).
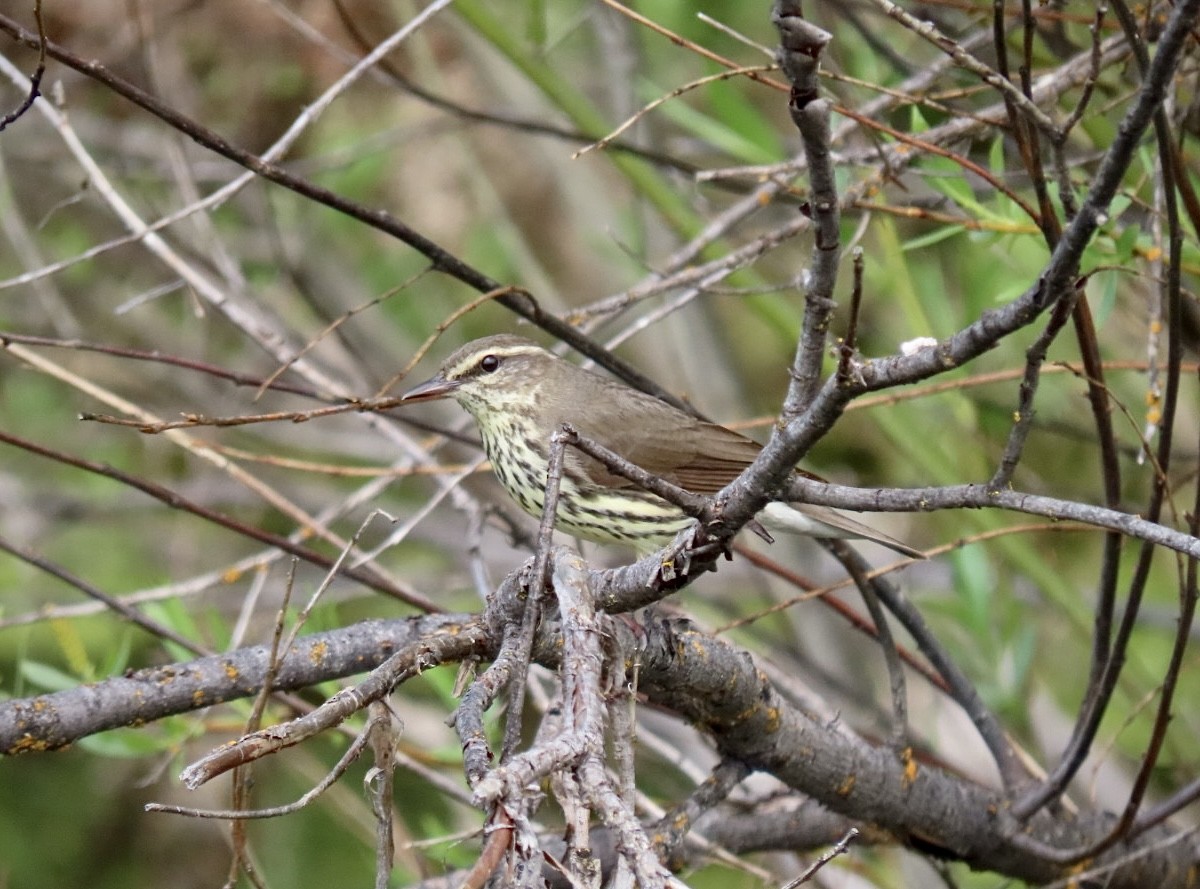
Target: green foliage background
(1016, 610)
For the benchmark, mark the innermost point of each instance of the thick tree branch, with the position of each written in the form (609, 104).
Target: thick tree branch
(720, 690)
(708, 681)
(51, 721)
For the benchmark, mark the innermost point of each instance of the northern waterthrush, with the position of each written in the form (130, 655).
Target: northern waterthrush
(520, 395)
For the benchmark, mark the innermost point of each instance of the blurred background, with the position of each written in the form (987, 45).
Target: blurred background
(468, 133)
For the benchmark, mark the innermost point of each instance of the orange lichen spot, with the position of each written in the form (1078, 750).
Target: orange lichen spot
(198, 697)
(231, 575)
(28, 744)
(773, 719)
(1078, 869)
(231, 671)
(318, 651)
(847, 786)
(910, 767)
(1153, 253)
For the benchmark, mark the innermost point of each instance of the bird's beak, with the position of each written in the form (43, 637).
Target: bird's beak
(431, 389)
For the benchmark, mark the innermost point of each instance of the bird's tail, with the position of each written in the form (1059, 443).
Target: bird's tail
(822, 521)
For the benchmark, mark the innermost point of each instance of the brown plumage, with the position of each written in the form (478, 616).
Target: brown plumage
(520, 394)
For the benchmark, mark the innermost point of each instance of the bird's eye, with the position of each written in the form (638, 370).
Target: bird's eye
(489, 363)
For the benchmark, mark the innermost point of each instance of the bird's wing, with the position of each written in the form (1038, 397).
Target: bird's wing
(707, 456)
(697, 456)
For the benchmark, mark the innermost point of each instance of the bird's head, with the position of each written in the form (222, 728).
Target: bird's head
(489, 374)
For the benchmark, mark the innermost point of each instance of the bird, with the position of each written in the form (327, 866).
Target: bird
(520, 394)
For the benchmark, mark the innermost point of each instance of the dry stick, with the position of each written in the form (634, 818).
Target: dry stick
(242, 776)
(1086, 337)
(502, 612)
(381, 781)
(1168, 807)
(1155, 815)
(404, 664)
(967, 61)
(35, 79)
(663, 99)
(333, 326)
(887, 644)
(377, 404)
(1089, 85)
(1154, 74)
(801, 45)
(582, 864)
(1035, 356)
(499, 836)
(578, 847)
(673, 827)
(634, 845)
(583, 702)
(840, 848)
(193, 420)
(849, 342)
(1026, 134)
(538, 591)
(332, 777)
(623, 727)
(467, 718)
(212, 370)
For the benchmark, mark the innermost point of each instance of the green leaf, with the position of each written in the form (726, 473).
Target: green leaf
(126, 743)
(46, 677)
(717, 133)
(943, 233)
(1126, 242)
